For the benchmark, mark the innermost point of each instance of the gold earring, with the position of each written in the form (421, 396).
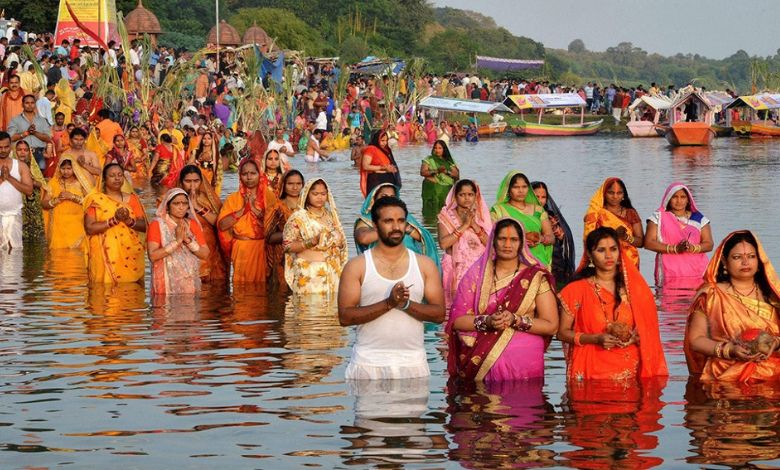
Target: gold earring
(590, 263)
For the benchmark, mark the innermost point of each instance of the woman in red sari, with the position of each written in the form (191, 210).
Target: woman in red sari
(733, 331)
(378, 165)
(168, 160)
(608, 317)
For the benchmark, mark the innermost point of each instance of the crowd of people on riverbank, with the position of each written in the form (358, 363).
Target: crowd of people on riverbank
(508, 280)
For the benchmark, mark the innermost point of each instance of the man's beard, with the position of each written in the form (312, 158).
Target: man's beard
(388, 240)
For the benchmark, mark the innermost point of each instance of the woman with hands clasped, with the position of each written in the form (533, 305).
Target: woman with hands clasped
(176, 246)
(608, 317)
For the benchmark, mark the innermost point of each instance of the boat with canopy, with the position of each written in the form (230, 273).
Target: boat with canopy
(690, 119)
(471, 107)
(754, 115)
(646, 113)
(542, 102)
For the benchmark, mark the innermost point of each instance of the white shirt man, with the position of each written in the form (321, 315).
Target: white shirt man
(382, 292)
(281, 145)
(15, 182)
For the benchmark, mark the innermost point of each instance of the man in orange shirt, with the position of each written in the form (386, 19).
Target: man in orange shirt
(108, 128)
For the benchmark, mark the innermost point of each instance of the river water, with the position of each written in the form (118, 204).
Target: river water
(93, 376)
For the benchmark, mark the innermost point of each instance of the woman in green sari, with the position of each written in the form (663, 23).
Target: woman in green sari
(440, 173)
(515, 199)
(417, 238)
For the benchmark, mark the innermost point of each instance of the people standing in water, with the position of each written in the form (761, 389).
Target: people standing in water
(206, 206)
(271, 166)
(32, 212)
(680, 235)
(563, 258)
(207, 157)
(315, 153)
(515, 199)
(464, 225)
(504, 312)
(176, 246)
(611, 207)
(243, 223)
(314, 242)
(86, 158)
(417, 238)
(608, 316)
(15, 185)
(733, 333)
(113, 222)
(378, 165)
(64, 201)
(440, 172)
(388, 292)
(292, 185)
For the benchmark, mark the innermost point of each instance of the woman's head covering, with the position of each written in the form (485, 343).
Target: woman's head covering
(162, 209)
(716, 263)
(449, 211)
(206, 193)
(446, 155)
(262, 183)
(331, 205)
(567, 244)
(502, 196)
(78, 171)
(673, 188)
(283, 184)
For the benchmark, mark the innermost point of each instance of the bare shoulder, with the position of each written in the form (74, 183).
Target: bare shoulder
(355, 267)
(426, 264)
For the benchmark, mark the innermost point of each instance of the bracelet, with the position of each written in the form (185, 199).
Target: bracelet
(668, 248)
(481, 323)
(407, 304)
(526, 323)
(457, 233)
(726, 351)
(718, 350)
(629, 238)
(171, 247)
(193, 246)
(578, 338)
(112, 222)
(130, 224)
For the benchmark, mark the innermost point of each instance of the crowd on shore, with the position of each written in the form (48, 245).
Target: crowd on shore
(508, 280)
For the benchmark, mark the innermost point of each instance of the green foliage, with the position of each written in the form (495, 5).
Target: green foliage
(352, 50)
(181, 41)
(35, 16)
(577, 46)
(289, 31)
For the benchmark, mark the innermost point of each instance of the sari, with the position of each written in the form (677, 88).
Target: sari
(494, 356)
(563, 258)
(588, 304)
(32, 211)
(274, 183)
(66, 219)
(729, 315)
(307, 277)
(467, 250)
(244, 243)
(672, 230)
(215, 267)
(531, 223)
(211, 170)
(434, 193)
(598, 216)
(116, 255)
(179, 272)
(378, 156)
(275, 253)
(426, 246)
(169, 163)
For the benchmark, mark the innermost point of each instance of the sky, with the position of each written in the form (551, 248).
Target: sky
(712, 28)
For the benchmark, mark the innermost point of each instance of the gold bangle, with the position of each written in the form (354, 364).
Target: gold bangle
(718, 350)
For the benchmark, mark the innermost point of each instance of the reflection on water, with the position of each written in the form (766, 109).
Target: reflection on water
(100, 376)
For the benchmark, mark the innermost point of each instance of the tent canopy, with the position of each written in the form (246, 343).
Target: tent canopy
(544, 101)
(657, 102)
(718, 98)
(466, 106)
(501, 65)
(757, 102)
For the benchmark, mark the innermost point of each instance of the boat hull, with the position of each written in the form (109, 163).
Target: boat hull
(488, 130)
(690, 133)
(722, 131)
(532, 128)
(642, 129)
(764, 130)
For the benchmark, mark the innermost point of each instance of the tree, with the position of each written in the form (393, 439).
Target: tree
(577, 46)
(352, 50)
(289, 31)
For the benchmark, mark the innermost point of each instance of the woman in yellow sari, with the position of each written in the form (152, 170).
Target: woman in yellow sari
(610, 206)
(64, 200)
(733, 330)
(207, 158)
(67, 99)
(244, 221)
(315, 243)
(114, 222)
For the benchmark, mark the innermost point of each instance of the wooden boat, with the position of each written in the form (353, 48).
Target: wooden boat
(645, 113)
(541, 102)
(690, 119)
(689, 133)
(533, 128)
(721, 130)
(488, 130)
(752, 115)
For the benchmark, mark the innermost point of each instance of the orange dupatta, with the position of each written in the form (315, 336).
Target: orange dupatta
(579, 300)
(598, 216)
(728, 317)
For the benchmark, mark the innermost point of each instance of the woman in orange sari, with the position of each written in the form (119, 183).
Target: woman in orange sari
(207, 158)
(271, 166)
(378, 165)
(167, 161)
(64, 200)
(610, 206)
(113, 222)
(733, 330)
(243, 222)
(608, 317)
(207, 207)
(291, 184)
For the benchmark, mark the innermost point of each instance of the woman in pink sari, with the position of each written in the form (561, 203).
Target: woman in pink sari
(464, 224)
(504, 312)
(430, 131)
(680, 235)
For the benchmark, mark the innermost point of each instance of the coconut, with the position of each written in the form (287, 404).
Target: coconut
(757, 341)
(619, 330)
